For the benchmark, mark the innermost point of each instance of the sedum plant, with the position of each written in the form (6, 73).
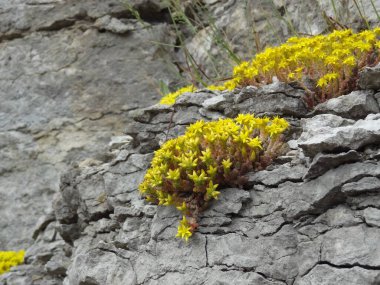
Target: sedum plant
(169, 99)
(332, 61)
(187, 172)
(9, 259)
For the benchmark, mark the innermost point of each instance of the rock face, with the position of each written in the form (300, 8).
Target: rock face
(312, 217)
(73, 75)
(70, 71)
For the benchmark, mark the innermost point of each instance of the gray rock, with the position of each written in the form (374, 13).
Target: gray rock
(360, 246)
(236, 251)
(104, 225)
(280, 87)
(325, 275)
(369, 78)
(278, 175)
(197, 98)
(118, 141)
(366, 184)
(66, 58)
(229, 201)
(324, 162)
(340, 216)
(42, 223)
(323, 120)
(319, 194)
(356, 105)
(187, 116)
(372, 216)
(293, 144)
(216, 103)
(273, 104)
(361, 202)
(109, 268)
(113, 25)
(145, 115)
(211, 115)
(377, 97)
(57, 265)
(245, 93)
(66, 117)
(212, 276)
(329, 139)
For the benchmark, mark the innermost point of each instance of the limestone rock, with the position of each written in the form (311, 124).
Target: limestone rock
(86, 68)
(372, 216)
(324, 162)
(274, 99)
(366, 184)
(113, 25)
(330, 138)
(80, 85)
(369, 78)
(356, 105)
(278, 175)
(325, 274)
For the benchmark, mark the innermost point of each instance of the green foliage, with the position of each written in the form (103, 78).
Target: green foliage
(9, 259)
(188, 171)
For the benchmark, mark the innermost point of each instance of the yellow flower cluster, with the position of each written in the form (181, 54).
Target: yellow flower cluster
(332, 61)
(9, 259)
(187, 171)
(169, 99)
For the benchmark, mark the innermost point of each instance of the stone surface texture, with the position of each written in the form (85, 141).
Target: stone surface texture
(78, 131)
(300, 221)
(70, 72)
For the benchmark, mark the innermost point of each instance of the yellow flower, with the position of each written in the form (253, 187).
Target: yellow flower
(216, 87)
(291, 75)
(9, 259)
(198, 179)
(211, 191)
(182, 208)
(188, 162)
(196, 128)
(206, 156)
(273, 130)
(173, 174)
(184, 230)
(245, 119)
(226, 164)
(212, 171)
(181, 155)
(168, 200)
(255, 143)
(170, 98)
(322, 82)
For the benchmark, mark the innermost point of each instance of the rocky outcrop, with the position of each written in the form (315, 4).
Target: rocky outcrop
(70, 72)
(73, 75)
(312, 217)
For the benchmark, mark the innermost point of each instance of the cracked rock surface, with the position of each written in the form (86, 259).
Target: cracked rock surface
(74, 73)
(303, 220)
(68, 81)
